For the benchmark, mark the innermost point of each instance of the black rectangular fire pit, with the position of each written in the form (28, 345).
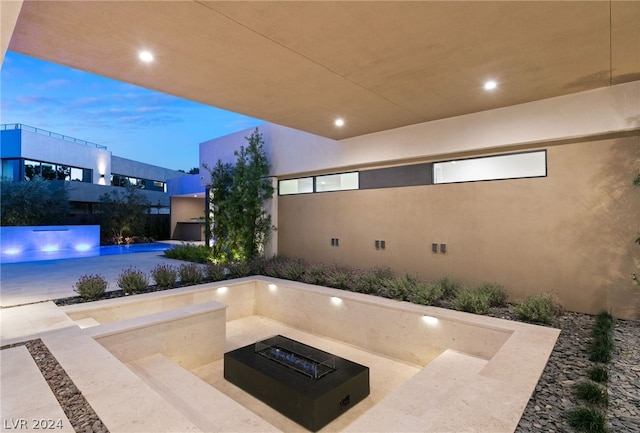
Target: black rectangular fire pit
(308, 385)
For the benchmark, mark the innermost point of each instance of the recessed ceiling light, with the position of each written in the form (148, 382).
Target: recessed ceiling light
(339, 122)
(145, 56)
(490, 85)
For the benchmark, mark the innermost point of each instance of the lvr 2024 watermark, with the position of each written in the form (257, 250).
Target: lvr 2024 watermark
(31, 424)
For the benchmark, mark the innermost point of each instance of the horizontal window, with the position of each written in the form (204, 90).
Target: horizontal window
(393, 177)
(50, 171)
(511, 166)
(303, 185)
(337, 182)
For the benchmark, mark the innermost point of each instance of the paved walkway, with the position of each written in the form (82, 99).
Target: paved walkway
(26, 283)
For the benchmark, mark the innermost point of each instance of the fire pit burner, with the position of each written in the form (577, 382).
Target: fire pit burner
(299, 362)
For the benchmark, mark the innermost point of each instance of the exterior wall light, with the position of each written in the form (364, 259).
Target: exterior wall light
(272, 287)
(145, 56)
(430, 320)
(490, 85)
(335, 300)
(222, 289)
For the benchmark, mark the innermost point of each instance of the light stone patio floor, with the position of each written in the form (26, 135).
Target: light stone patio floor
(453, 393)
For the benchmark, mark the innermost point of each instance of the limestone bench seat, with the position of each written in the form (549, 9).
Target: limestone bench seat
(197, 400)
(190, 336)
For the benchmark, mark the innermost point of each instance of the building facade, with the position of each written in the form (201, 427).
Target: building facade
(90, 169)
(538, 197)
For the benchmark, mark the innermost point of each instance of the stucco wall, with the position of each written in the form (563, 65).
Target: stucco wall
(183, 209)
(142, 170)
(571, 233)
(586, 114)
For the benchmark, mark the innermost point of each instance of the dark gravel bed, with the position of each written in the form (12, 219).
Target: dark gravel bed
(78, 411)
(554, 394)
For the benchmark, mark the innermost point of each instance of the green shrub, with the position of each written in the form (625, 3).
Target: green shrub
(238, 269)
(592, 393)
(538, 309)
(496, 293)
(398, 288)
(339, 278)
(448, 286)
(165, 276)
(91, 287)
(603, 325)
(426, 294)
(257, 265)
(587, 419)
(292, 269)
(598, 373)
(214, 271)
(275, 267)
(132, 280)
(370, 281)
(315, 273)
(471, 301)
(191, 253)
(601, 348)
(190, 274)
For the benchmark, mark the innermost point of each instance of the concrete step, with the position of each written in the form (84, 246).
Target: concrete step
(206, 407)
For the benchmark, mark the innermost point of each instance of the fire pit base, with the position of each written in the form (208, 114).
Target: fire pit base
(307, 385)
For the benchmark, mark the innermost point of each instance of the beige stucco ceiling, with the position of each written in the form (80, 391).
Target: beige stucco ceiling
(379, 65)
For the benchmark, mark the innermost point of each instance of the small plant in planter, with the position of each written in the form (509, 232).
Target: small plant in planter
(214, 271)
(339, 278)
(471, 301)
(132, 281)
(496, 293)
(238, 269)
(165, 276)
(190, 274)
(426, 294)
(315, 273)
(449, 287)
(91, 287)
(592, 393)
(598, 373)
(587, 419)
(538, 309)
(602, 342)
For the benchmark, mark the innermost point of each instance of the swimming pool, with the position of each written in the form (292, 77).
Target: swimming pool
(36, 256)
(133, 248)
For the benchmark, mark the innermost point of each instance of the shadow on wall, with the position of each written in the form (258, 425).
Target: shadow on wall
(611, 222)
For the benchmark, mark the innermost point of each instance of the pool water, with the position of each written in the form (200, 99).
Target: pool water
(36, 256)
(133, 248)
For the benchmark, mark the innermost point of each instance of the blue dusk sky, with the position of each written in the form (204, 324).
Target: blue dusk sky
(131, 121)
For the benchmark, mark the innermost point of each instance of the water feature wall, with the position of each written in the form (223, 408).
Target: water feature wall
(34, 243)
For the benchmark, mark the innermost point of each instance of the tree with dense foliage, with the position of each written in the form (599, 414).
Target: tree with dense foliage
(123, 214)
(220, 217)
(241, 226)
(33, 203)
